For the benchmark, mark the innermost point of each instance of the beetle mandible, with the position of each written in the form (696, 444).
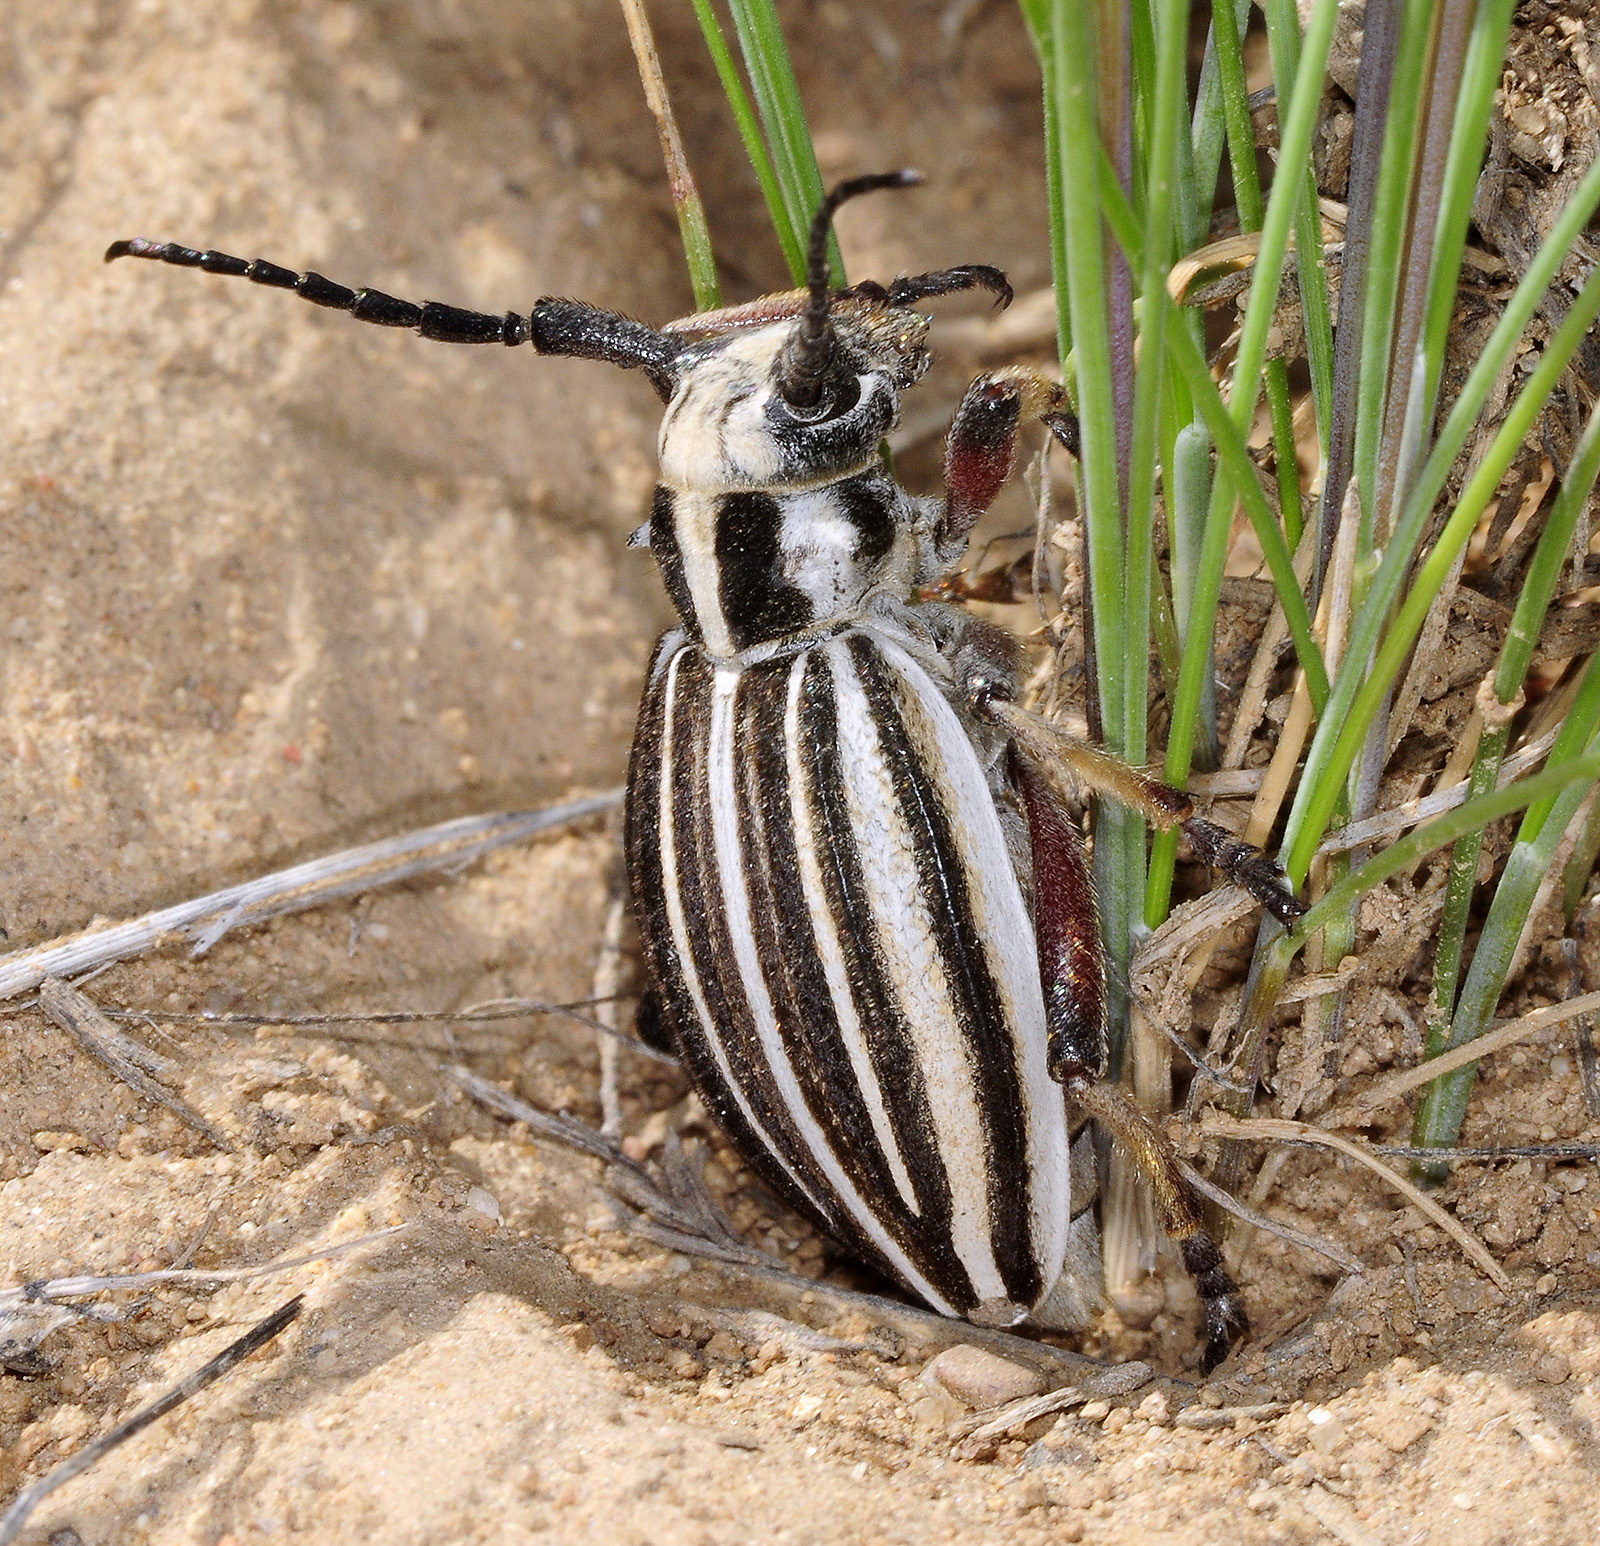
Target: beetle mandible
(867, 916)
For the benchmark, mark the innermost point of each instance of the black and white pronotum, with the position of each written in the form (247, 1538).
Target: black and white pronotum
(866, 912)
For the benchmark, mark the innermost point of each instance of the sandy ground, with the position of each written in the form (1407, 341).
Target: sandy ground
(275, 583)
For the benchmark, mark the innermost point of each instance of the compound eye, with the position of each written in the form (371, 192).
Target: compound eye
(839, 396)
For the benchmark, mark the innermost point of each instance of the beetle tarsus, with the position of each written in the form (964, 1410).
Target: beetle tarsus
(1127, 1125)
(1245, 865)
(1226, 1321)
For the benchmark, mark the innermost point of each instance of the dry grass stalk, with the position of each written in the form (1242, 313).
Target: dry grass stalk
(607, 980)
(1231, 1204)
(1384, 1090)
(258, 1336)
(82, 1020)
(206, 919)
(1276, 1130)
(1390, 823)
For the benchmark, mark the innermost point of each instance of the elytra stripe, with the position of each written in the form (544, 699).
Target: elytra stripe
(876, 991)
(953, 833)
(642, 835)
(822, 975)
(822, 1044)
(821, 1165)
(654, 876)
(1003, 931)
(913, 927)
(726, 1076)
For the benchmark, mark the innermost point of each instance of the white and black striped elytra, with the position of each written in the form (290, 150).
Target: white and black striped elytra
(866, 912)
(846, 957)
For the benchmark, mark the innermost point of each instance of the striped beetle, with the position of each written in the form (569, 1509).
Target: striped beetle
(866, 911)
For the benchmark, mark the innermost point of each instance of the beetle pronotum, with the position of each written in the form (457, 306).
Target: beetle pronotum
(867, 917)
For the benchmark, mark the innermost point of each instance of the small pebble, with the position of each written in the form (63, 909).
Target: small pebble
(981, 1379)
(1553, 1368)
(1095, 1411)
(1326, 1430)
(722, 1345)
(1154, 1409)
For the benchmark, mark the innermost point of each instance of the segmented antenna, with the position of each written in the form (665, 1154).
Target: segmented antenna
(448, 324)
(808, 356)
(554, 326)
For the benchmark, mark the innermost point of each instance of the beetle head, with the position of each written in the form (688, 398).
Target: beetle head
(783, 393)
(797, 389)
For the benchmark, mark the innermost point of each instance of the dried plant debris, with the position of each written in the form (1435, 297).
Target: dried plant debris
(630, 1339)
(23, 1505)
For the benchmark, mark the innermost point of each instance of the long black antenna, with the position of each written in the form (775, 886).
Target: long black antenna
(808, 356)
(554, 326)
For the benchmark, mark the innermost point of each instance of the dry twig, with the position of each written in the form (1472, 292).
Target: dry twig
(82, 1020)
(1381, 1091)
(607, 979)
(1276, 1130)
(45, 1290)
(1385, 824)
(205, 919)
(207, 1374)
(1231, 1204)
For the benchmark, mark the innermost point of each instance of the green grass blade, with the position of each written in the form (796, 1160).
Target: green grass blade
(1073, 51)
(1515, 655)
(1208, 133)
(1548, 557)
(1321, 780)
(1444, 1102)
(1480, 78)
(1247, 195)
(1234, 458)
(1165, 107)
(1283, 40)
(791, 241)
(1386, 244)
(1320, 793)
(1036, 15)
(1421, 842)
(1295, 142)
(1379, 43)
(777, 94)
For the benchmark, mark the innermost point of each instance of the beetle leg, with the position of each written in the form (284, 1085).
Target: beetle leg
(1067, 925)
(1072, 969)
(983, 439)
(1049, 749)
(1115, 1111)
(1073, 972)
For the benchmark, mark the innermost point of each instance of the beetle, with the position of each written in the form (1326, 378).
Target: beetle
(866, 912)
